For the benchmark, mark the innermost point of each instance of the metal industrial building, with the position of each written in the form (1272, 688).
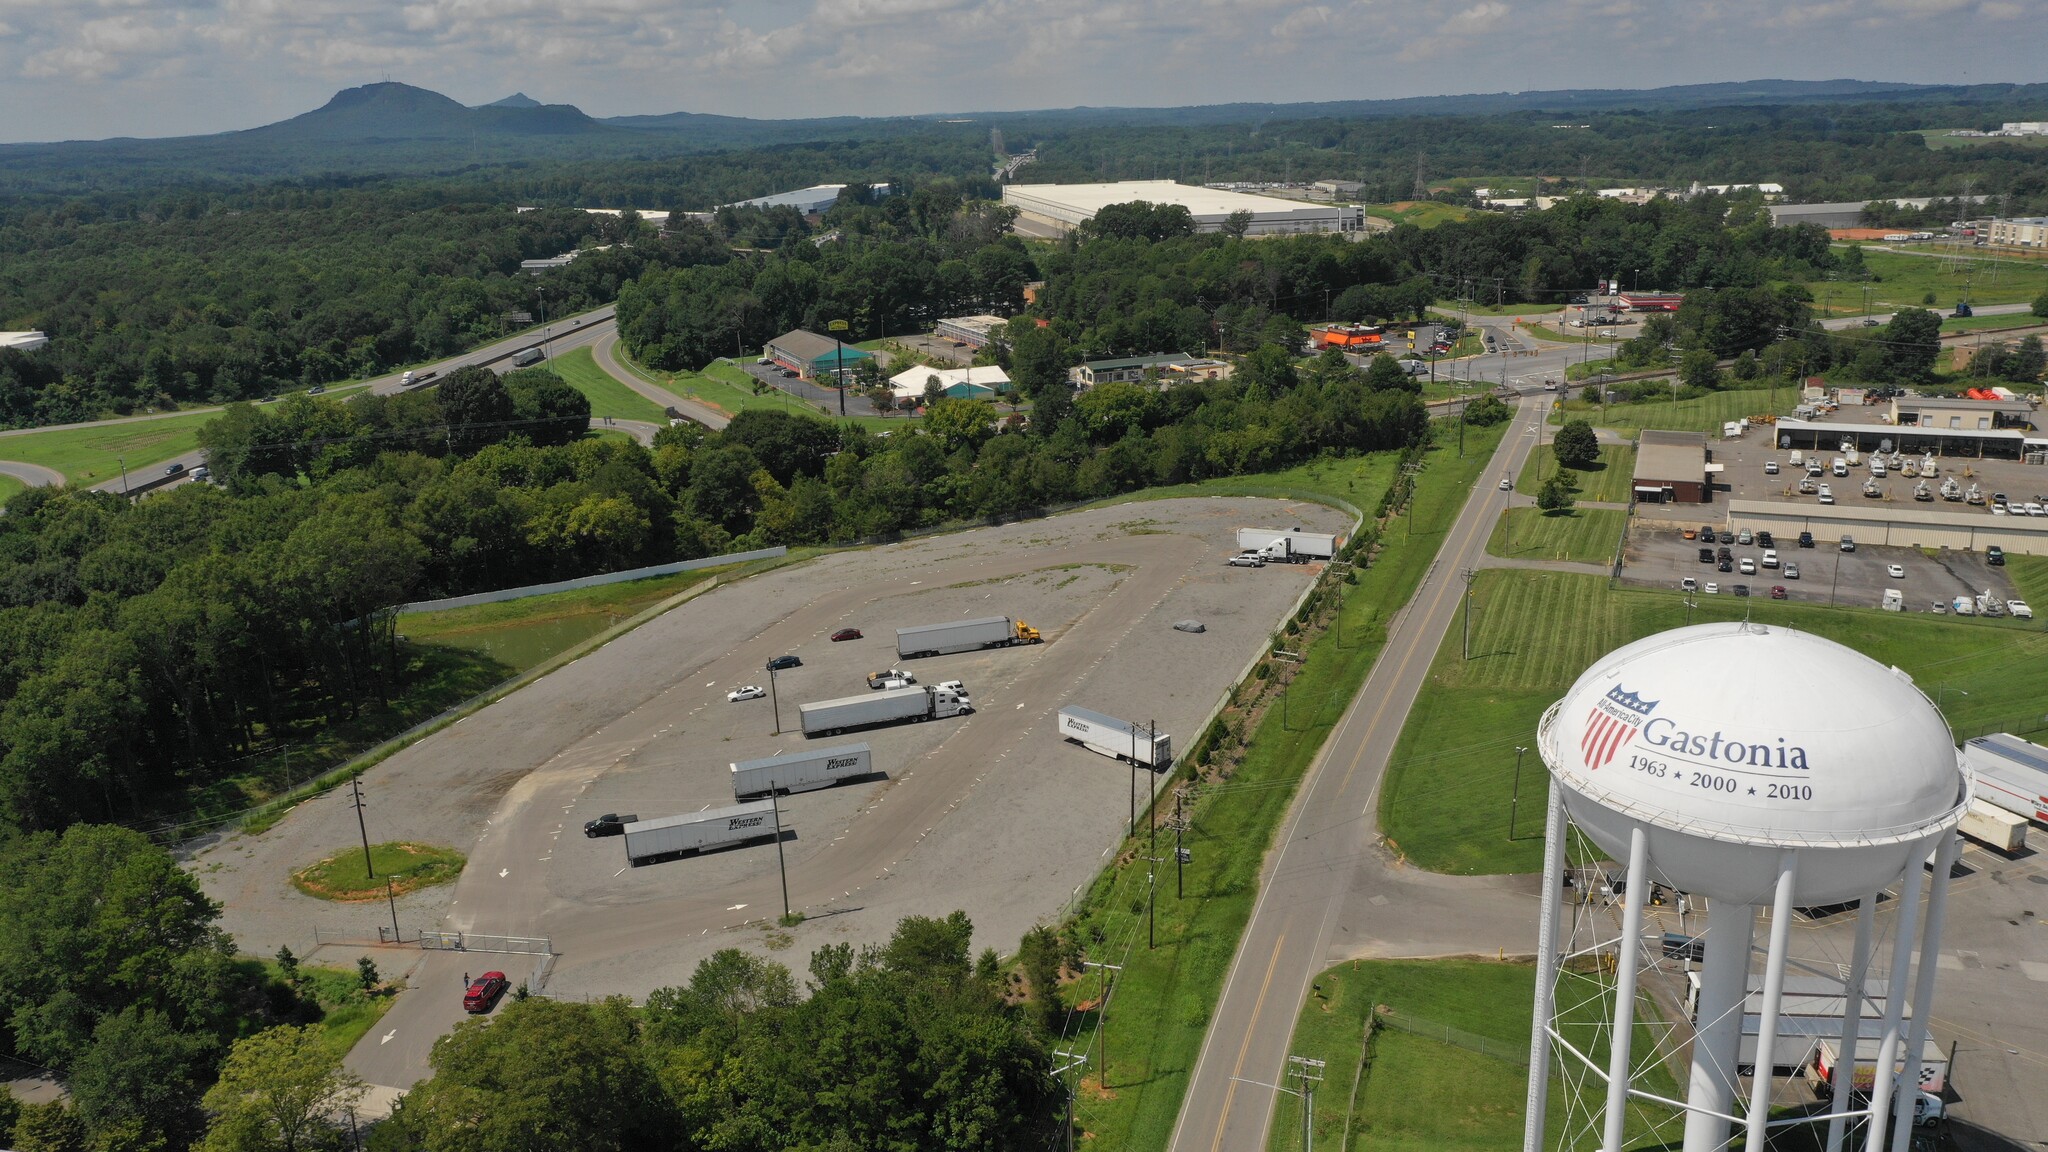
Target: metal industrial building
(1067, 206)
(810, 355)
(1671, 468)
(808, 201)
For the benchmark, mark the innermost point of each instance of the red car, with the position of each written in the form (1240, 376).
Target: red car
(484, 992)
(1777, 591)
(846, 634)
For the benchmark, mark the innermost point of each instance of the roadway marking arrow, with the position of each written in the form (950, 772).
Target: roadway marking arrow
(735, 907)
(504, 872)
(386, 1038)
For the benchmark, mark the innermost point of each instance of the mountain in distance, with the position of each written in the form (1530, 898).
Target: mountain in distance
(393, 111)
(515, 100)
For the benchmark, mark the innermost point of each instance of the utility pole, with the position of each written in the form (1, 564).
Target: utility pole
(780, 865)
(1151, 879)
(774, 702)
(1181, 856)
(1468, 574)
(391, 901)
(1309, 1073)
(355, 785)
(839, 361)
(1102, 1020)
(124, 474)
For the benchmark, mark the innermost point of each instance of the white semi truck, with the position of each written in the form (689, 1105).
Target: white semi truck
(2011, 773)
(1287, 545)
(799, 771)
(696, 831)
(963, 636)
(1118, 738)
(890, 706)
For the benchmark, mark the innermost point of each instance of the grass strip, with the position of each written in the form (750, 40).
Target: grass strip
(1700, 414)
(607, 396)
(97, 453)
(1580, 535)
(1165, 994)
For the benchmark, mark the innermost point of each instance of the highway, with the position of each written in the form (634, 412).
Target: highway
(1308, 877)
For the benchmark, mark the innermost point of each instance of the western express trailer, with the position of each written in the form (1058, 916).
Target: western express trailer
(1291, 545)
(891, 706)
(696, 831)
(799, 771)
(2010, 772)
(963, 636)
(1118, 738)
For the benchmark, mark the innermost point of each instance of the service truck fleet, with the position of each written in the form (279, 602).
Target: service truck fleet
(799, 771)
(890, 706)
(963, 636)
(1287, 545)
(2011, 773)
(697, 831)
(1118, 738)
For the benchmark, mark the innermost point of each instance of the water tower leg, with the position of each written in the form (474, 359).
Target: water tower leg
(1536, 1112)
(1717, 1038)
(1774, 994)
(1852, 1015)
(1894, 1006)
(1923, 988)
(1627, 949)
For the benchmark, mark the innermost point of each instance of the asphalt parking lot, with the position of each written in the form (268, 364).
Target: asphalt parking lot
(1746, 479)
(1659, 556)
(774, 377)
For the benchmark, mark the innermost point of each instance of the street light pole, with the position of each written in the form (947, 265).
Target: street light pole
(839, 361)
(1515, 800)
(774, 702)
(781, 866)
(124, 475)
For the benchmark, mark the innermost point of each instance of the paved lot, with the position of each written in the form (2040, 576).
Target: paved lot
(1746, 479)
(951, 352)
(990, 813)
(1659, 557)
(856, 404)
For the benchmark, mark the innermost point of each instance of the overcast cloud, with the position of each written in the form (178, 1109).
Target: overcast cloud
(72, 69)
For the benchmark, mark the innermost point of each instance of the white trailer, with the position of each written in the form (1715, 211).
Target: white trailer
(800, 771)
(963, 636)
(696, 831)
(1933, 1063)
(1994, 827)
(2011, 773)
(1295, 545)
(890, 706)
(1117, 738)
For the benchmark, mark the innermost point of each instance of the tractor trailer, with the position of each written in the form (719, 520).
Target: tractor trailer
(963, 636)
(890, 706)
(1994, 827)
(1933, 1063)
(1287, 545)
(1117, 738)
(2011, 773)
(799, 771)
(697, 831)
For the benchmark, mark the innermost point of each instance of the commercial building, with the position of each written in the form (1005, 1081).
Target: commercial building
(2021, 232)
(973, 331)
(1672, 468)
(1134, 368)
(1065, 207)
(1895, 525)
(1955, 413)
(1650, 301)
(810, 355)
(807, 201)
(979, 383)
(1844, 214)
(1993, 443)
(24, 341)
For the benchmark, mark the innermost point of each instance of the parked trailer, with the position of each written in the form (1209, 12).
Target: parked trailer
(891, 706)
(696, 831)
(963, 636)
(804, 771)
(1994, 827)
(1113, 737)
(1297, 546)
(2011, 773)
(1933, 1064)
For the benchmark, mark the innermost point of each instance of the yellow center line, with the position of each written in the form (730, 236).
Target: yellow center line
(1251, 1030)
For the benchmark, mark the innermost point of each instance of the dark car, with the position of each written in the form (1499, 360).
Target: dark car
(1869, 323)
(1994, 555)
(1726, 565)
(1740, 589)
(1706, 555)
(1806, 539)
(1724, 553)
(1766, 540)
(609, 824)
(846, 634)
(173, 468)
(484, 991)
(1778, 592)
(1707, 535)
(781, 663)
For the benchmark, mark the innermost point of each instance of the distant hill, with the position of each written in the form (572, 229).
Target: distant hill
(515, 100)
(391, 111)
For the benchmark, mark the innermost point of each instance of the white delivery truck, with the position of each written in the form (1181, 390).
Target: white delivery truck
(1118, 738)
(696, 831)
(1288, 545)
(2011, 773)
(890, 706)
(1994, 827)
(963, 636)
(799, 771)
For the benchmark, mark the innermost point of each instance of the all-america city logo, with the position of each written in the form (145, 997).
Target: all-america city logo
(1613, 721)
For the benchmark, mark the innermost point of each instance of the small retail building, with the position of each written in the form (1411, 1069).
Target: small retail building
(973, 331)
(1671, 468)
(981, 383)
(810, 355)
(1173, 366)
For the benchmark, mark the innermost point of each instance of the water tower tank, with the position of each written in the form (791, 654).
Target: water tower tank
(1728, 742)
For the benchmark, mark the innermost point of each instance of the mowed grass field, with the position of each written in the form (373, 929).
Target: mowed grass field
(1704, 414)
(1581, 535)
(1421, 1094)
(93, 454)
(1446, 800)
(607, 396)
(1608, 480)
(1902, 280)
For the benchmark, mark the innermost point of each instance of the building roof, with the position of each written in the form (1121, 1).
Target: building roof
(1662, 455)
(911, 382)
(815, 198)
(23, 341)
(1159, 360)
(1896, 432)
(982, 322)
(811, 347)
(1963, 403)
(1199, 201)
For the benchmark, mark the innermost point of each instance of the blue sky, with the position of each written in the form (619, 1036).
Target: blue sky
(77, 69)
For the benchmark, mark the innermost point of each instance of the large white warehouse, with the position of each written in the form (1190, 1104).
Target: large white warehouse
(1066, 206)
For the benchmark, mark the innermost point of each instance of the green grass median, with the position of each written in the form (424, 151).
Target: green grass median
(607, 396)
(97, 453)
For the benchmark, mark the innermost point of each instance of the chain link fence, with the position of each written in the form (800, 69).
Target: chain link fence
(1457, 1037)
(479, 942)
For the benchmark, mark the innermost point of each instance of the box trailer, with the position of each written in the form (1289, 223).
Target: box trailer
(1933, 1063)
(696, 831)
(2011, 773)
(963, 636)
(1994, 827)
(1293, 545)
(890, 706)
(1118, 738)
(800, 771)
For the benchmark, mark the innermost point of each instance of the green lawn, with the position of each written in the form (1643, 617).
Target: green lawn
(1990, 325)
(1421, 1094)
(1609, 480)
(9, 486)
(1165, 995)
(726, 387)
(518, 634)
(1703, 414)
(347, 1012)
(1902, 281)
(1421, 213)
(607, 396)
(1584, 535)
(1447, 794)
(91, 455)
(404, 866)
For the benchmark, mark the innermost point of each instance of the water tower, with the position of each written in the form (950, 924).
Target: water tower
(1754, 767)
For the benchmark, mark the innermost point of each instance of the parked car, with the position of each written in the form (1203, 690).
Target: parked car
(1848, 544)
(1690, 533)
(2019, 610)
(1895, 571)
(846, 634)
(1791, 571)
(1248, 560)
(1707, 534)
(1806, 539)
(483, 992)
(1766, 540)
(1778, 592)
(1770, 559)
(1711, 588)
(1706, 555)
(1740, 589)
(746, 692)
(1725, 565)
(1748, 566)
(1745, 537)
(1688, 585)
(609, 824)
(784, 663)
(1770, 467)
(1994, 555)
